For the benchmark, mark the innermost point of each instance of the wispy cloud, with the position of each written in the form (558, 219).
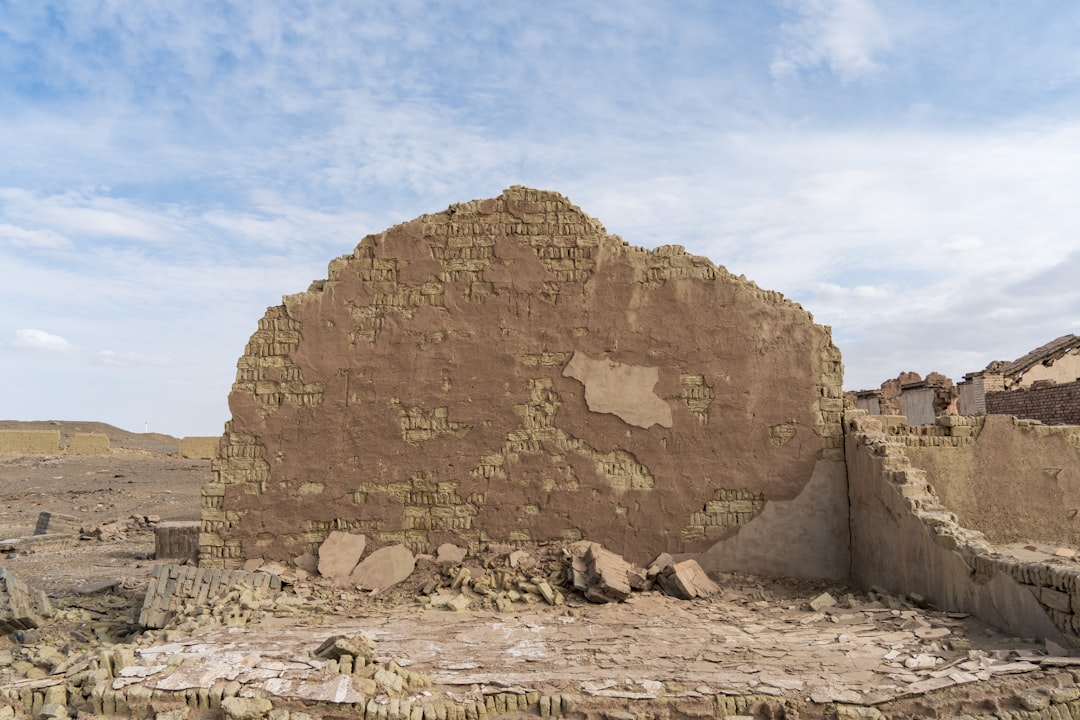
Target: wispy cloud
(847, 37)
(34, 339)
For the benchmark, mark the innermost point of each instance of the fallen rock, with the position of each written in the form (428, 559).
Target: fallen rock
(822, 601)
(602, 576)
(662, 561)
(686, 580)
(339, 554)
(307, 562)
(243, 708)
(385, 567)
(450, 554)
(335, 646)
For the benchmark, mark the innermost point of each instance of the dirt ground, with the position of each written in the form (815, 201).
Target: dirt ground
(869, 655)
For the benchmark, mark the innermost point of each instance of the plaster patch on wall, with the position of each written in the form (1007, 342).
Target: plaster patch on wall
(625, 391)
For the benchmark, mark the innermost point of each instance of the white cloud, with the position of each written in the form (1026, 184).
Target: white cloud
(41, 239)
(846, 36)
(33, 339)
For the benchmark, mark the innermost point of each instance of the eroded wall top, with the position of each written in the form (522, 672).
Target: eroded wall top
(508, 371)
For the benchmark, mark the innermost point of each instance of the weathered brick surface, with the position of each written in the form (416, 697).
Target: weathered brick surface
(427, 392)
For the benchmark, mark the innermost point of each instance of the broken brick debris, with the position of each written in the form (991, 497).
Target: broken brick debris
(57, 523)
(21, 607)
(173, 586)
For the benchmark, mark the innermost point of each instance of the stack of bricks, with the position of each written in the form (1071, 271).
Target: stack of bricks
(177, 540)
(1049, 403)
(50, 523)
(21, 607)
(174, 586)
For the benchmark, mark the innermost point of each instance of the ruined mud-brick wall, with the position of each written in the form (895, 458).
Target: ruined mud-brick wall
(906, 537)
(1013, 480)
(508, 371)
(1047, 402)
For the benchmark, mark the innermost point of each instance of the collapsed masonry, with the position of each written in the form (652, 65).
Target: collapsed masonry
(507, 371)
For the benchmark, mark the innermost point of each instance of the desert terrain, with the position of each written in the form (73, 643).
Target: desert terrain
(764, 648)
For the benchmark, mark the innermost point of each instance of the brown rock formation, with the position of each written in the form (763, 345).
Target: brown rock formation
(506, 370)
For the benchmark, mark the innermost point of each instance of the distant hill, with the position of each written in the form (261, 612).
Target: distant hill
(150, 442)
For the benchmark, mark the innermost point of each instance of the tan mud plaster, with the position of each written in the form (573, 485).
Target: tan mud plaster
(420, 387)
(625, 391)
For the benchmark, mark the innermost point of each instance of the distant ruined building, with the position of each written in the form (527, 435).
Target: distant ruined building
(1042, 385)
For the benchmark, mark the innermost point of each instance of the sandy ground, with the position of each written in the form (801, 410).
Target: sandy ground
(760, 637)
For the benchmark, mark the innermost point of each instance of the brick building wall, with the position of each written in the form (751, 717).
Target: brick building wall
(1051, 404)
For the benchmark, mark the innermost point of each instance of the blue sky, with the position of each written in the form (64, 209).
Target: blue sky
(908, 171)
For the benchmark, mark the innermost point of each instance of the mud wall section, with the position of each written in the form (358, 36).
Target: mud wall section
(508, 371)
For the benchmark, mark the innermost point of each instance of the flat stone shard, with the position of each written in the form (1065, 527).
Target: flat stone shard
(600, 575)
(383, 568)
(449, 554)
(622, 390)
(339, 554)
(686, 580)
(506, 371)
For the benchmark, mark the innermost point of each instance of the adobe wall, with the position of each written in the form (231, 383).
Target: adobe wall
(1012, 480)
(508, 371)
(197, 446)
(1051, 404)
(89, 444)
(44, 442)
(904, 540)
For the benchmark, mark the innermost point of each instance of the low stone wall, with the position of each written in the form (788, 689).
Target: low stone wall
(89, 444)
(905, 541)
(44, 442)
(1053, 404)
(201, 447)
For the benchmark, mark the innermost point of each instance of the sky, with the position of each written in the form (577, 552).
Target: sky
(908, 171)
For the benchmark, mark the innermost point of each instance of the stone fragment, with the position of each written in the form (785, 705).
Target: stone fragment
(603, 577)
(356, 646)
(522, 560)
(243, 708)
(457, 603)
(662, 561)
(822, 601)
(450, 554)
(686, 580)
(97, 586)
(307, 562)
(339, 554)
(383, 568)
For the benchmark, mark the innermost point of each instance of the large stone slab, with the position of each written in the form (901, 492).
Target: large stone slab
(385, 567)
(339, 553)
